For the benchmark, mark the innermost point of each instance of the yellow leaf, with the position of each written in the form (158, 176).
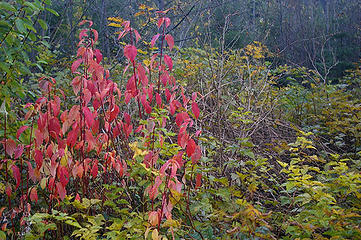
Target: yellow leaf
(114, 24)
(155, 234)
(116, 19)
(43, 183)
(139, 13)
(142, 52)
(64, 159)
(137, 151)
(146, 233)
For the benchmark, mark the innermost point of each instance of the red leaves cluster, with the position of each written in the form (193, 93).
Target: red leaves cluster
(78, 143)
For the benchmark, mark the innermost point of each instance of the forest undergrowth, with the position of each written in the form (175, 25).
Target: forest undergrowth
(192, 143)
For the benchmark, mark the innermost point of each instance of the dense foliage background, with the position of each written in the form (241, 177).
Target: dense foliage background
(205, 119)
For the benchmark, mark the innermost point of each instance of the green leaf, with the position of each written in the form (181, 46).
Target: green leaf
(30, 27)
(3, 108)
(32, 6)
(73, 223)
(248, 153)
(32, 36)
(4, 67)
(52, 11)
(43, 24)
(2, 235)
(4, 24)
(7, 6)
(20, 25)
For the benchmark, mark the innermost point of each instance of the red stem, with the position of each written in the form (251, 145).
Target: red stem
(29, 151)
(135, 76)
(160, 58)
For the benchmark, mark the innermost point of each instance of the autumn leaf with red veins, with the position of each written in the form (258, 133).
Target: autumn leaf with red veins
(130, 52)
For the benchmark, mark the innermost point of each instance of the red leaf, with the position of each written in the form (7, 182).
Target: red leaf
(113, 113)
(167, 94)
(182, 139)
(198, 132)
(80, 51)
(8, 190)
(51, 184)
(181, 117)
(160, 22)
(150, 92)
(172, 108)
(142, 75)
(94, 171)
(39, 137)
(38, 158)
(86, 21)
(76, 83)
(145, 104)
(55, 106)
(72, 137)
(80, 171)
(191, 146)
(137, 36)
(63, 175)
(61, 190)
(49, 150)
(20, 131)
(54, 125)
(164, 78)
(179, 158)
(98, 55)
(18, 151)
(167, 22)
(122, 34)
(34, 195)
(83, 33)
(126, 24)
(127, 118)
(131, 84)
(140, 128)
(76, 64)
(77, 197)
(10, 147)
(153, 190)
(198, 180)
(194, 96)
(153, 62)
(130, 52)
(88, 117)
(168, 61)
(95, 33)
(158, 99)
(87, 96)
(90, 140)
(96, 104)
(195, 109)
(170, 41)
(31, 171)
(196, 155)
(154, 39)
(17, 176)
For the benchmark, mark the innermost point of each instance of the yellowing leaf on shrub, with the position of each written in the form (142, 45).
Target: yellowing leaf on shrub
(155, 235)
(175, 196)
(64, 159)
(43, 183)
(114, 24)
(171, 223)
(284, 165)
(137, 151)
(139, 13)
(115, 19)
